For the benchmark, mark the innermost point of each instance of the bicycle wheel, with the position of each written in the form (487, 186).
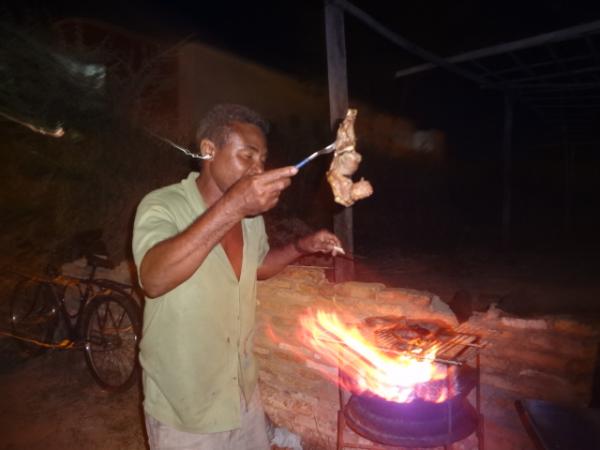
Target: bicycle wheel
(111, 330)
(33, 315)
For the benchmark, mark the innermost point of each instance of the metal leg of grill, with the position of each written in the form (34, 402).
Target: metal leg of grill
(340, 430)
(480, 423)
(479, 430)
(449, 391)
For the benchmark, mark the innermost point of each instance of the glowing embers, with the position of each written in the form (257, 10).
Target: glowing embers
(403, 393)
(386, 357)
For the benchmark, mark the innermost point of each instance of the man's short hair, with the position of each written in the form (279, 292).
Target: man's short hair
(216, 124)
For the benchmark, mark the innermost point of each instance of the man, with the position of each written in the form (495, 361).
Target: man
(199, 247)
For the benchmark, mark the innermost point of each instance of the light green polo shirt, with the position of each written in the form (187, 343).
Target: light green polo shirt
(196, 347)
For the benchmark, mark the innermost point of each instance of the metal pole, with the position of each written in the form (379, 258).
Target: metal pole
(534, 41)
(507, 164)
(407, 45)
(567, 184)
(338, 105)
(480, 419)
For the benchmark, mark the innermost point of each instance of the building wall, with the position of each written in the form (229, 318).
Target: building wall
(209, 76)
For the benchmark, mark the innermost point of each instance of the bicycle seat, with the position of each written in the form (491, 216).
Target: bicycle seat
(99, 260)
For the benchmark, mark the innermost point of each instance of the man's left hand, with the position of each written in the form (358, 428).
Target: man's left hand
(323, 241)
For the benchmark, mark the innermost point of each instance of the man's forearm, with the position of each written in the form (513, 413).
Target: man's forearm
(277, 259)
(321, 241)
(174, 260)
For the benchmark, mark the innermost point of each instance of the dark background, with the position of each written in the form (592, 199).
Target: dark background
(416, 205)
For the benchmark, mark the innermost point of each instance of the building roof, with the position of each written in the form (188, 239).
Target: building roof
(555, 74)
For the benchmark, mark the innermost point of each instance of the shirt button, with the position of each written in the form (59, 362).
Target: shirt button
(228, 340)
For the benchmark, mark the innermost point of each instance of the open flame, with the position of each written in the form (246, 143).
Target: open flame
(392, 375)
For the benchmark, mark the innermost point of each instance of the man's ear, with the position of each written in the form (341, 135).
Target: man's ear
(207, 148)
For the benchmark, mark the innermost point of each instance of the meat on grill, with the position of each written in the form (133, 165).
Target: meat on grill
(345, 162)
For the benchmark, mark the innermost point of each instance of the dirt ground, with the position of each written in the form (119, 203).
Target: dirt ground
(51, 402)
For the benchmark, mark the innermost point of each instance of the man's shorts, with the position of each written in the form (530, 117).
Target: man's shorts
(252, 434)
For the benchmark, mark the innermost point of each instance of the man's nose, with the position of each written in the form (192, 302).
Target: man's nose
(257, 168)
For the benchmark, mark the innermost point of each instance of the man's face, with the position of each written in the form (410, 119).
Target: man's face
(244, 153)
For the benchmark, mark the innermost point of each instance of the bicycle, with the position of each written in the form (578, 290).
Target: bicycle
(106, 323)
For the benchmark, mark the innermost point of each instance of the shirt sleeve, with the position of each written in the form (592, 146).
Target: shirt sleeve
(263, 241)
(153, 224)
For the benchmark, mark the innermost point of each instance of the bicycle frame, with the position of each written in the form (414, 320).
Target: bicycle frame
(102, 317)
(87, 288)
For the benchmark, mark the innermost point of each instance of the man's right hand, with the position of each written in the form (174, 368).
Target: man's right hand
(172, 261)
(255, 194)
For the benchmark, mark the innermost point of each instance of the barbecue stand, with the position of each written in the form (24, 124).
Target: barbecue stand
(461, 418)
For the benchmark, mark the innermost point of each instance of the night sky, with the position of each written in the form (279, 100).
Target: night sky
(289, 36)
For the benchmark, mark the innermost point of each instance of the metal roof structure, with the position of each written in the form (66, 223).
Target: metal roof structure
(556, 75)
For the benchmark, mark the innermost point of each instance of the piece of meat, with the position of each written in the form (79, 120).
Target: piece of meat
(345, 162)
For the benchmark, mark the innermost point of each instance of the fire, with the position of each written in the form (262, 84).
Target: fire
(394, 376)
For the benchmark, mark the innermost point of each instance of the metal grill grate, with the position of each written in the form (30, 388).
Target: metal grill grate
(455, 347)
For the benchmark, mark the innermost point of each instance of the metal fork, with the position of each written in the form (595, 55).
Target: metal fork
(323, 151)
